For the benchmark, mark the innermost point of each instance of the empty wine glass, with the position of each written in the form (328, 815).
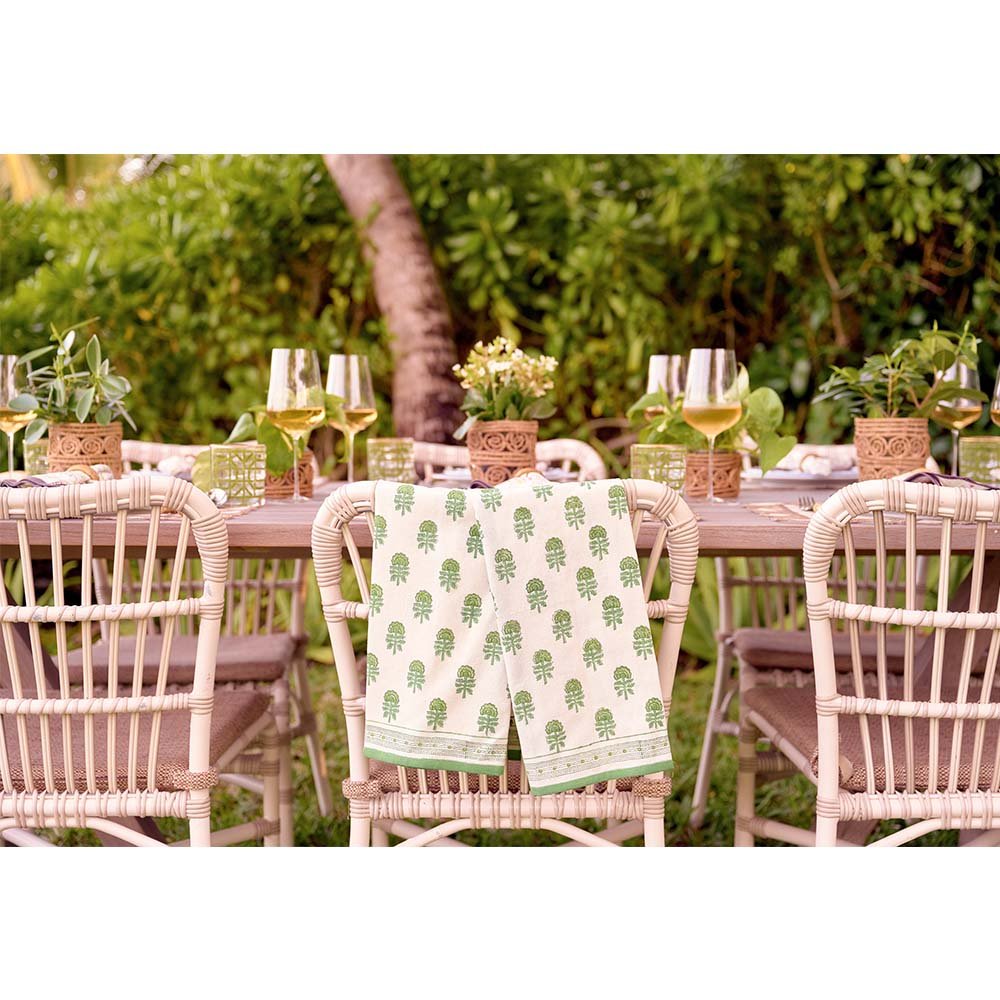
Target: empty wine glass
(295, 401)
(349, 378)
(711, 399)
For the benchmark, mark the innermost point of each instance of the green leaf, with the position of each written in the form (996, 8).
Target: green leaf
(772, 449)
(201, 471)
(245, 429)
(24, 403)
(279, 447)
(94, 354)
(84, 400)
(463, 428)
(34, 431)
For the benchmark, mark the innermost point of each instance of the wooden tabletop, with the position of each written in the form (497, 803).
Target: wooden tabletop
(281, 529)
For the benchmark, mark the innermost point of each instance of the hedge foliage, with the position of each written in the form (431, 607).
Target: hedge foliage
(795, 261)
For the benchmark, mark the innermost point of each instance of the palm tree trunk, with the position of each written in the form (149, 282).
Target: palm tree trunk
(426, 395)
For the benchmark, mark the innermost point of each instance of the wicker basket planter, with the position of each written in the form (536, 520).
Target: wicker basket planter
(85, 444)
(726, 466)
(890, 446)
(282, 487)
(499, 449)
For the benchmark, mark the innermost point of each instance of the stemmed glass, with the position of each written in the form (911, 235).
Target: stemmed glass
(959, 412)
(711, 399)
(295, 399)
(667, 373)
(13, 382)
(349, 378)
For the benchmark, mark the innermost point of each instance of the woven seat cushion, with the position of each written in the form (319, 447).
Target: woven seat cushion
(241, 659)
(792, 713)
(232, 713)
(774, 649)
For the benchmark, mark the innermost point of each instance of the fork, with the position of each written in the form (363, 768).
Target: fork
(807, 503)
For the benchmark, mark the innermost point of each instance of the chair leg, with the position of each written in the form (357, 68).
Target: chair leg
(270, 768)
(200, 825)
(379, 837)
(652, 822)
(716, 709)
(746, 782)
(307, 718)
(361, 831)
(279, 697)
(826, 831)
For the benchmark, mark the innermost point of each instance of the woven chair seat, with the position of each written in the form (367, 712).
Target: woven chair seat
(778, 649)
(233, 712)
(792, 713)
(241, 659)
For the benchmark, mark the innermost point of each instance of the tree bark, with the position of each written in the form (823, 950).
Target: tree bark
(426, 395)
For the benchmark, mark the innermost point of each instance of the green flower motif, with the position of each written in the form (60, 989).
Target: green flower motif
(492, 499)
(642, 641)
(654, 713)
(562, 626)
(472, 609)
(612, 610)
(377, 599)
(542, 665)
(543, 493)
(395, 636)
(593, 654)
(444, 643)
(488, 718)
(390, 706)
(474, 543)
(437, 713)
(537, 594)
(427, 536)
(604, 723)
(617, 500)
(449, 575)
(573, 511)
(555, 554)
(524, 707)
(586, 582)
(403, 500)
(423, 605)
(465, 680)
(599, 543)
(504, 566)
(415, 676)
(524, 523)
(629, 572)
(454, 504)
(371, 668)
(378, 535)
(624, 684)
(555, 735)
(492, 649)
(512, 636)
(573, 692)
(399, 568)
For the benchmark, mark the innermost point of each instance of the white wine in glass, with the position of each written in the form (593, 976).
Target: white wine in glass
(350, 378)
(295, 401)
(13, 383)
(711, 399)
(956, 414)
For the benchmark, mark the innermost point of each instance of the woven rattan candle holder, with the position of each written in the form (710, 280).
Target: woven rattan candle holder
(282, 487)
(85, 444)
(726, 466)
(500, 448)
(890, 446)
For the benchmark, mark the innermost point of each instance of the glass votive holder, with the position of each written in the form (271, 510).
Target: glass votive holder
(979, 459)
(661, 463)
(391, 459)
(241, 471)
(36, 457)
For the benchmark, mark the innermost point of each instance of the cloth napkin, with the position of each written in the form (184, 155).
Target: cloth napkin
(527, 597)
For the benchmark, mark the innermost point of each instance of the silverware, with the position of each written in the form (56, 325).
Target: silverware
(808, 503)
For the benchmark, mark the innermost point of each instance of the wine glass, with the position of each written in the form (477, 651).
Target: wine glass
(711, 398)
(995, 404)
(349, 378)
(13, 382)
(667, 373)
(295, 401)
(958, 412)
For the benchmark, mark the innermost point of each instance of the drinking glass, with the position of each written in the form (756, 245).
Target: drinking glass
(349, 378)
(13, 382)
(295, 399)
(711, 399)
(995, 404)
(958, 412)
(667, 373)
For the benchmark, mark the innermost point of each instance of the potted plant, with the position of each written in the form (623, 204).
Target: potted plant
(505, 399)
(756, 433)
(893, 394)
(80, 399)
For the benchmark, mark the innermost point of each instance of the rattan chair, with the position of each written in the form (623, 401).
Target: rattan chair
(568, 454)
(90, 751)
(385, 799)
(262, 643)
(915, 741)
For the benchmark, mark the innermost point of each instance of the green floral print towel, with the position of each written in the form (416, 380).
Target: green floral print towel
(527, 597)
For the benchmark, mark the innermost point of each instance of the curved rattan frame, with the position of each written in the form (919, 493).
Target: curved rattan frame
(376, 813)
(566, 453)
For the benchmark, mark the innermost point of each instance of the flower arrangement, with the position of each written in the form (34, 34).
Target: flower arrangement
(502, 382)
